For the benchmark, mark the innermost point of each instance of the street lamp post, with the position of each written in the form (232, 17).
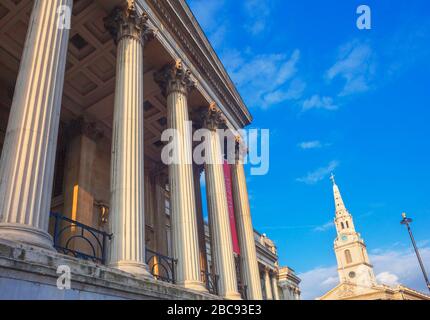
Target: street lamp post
(407, 221)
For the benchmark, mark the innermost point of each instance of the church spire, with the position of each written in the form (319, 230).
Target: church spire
(353, 262)
(338, 201)
(343, 219)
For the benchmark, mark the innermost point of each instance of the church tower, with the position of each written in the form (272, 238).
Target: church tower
(351, 253)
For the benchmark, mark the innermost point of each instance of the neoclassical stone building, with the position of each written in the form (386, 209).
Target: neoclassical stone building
(277, 283)
(83, 104)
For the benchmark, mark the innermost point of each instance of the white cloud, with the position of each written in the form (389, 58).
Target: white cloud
(403, 264)
(293, 92)
(258, 12)
(265, 79)
(318, 102)
(318, 281)
(316, 144)
(319, 174)
(261, 68)
(387, 278)
(391, 267)
(288, 69)
(356, 65)
(326, 226)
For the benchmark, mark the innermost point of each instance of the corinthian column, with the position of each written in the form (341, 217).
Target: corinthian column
(27, 163)
(245, 230)
(127, 170)
(176, 84)
(222, 248)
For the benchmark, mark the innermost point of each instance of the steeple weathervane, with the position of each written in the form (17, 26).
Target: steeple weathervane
(332, 178)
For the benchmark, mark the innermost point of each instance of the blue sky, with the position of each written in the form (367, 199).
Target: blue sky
(335, 98)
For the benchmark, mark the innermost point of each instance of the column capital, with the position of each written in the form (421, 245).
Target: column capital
(174, 78)
(212, 117)
(127, 22)
(82, 126)
(241, 149)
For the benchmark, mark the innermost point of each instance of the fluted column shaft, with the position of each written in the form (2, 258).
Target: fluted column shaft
(222, 248)
(127, 162)
(27, 163)
(267, 285)
(176, 83)
(275, 287)
(245, 230)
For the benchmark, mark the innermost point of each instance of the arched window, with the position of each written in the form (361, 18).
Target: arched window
(347, 224)
(342, 225)
(348, 256)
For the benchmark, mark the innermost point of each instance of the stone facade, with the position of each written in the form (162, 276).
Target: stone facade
(275, 282)
(82, 111)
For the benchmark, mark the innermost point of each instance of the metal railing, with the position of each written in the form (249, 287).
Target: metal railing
(72, 238)
(68, 232)
(161, 267)
(211, 282)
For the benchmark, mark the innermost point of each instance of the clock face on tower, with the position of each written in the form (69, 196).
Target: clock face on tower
(344, 238)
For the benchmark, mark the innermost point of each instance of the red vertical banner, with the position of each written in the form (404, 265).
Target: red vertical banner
(230, 203)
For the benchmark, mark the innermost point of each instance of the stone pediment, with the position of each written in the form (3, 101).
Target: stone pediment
(345, 291)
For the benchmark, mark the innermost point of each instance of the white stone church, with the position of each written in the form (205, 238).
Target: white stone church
(356, 278)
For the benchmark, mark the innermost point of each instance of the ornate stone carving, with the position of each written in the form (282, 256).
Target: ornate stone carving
(174, 78)
(88, 128)
(346, 291)
(241, 149)
(127, 22)
(212, 117)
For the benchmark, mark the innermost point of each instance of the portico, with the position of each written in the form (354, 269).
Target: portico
(83, 139)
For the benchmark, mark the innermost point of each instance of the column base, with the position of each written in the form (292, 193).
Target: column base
(133, 267)
(233, 296)
(194, 285)
(26, 234)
